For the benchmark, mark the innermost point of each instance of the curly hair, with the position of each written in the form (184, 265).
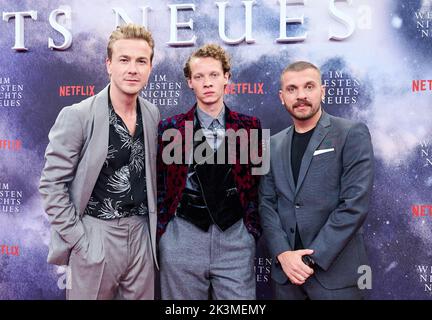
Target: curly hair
(209, 51)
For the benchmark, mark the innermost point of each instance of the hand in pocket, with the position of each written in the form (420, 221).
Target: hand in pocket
(81, 246)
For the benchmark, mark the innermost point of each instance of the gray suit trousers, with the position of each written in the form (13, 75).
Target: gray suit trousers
(313, 290)
(113, 260)
(198, 265)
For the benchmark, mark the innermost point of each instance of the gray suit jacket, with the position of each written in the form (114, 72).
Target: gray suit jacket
(77, 149)
(329, 203)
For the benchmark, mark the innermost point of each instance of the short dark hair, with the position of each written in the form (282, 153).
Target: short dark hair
(300, 66)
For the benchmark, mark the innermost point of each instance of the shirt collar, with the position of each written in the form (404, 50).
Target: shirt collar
(110, 105)
(206, 119)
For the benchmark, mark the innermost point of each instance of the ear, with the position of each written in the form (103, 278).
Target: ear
(150, 69)
(226, 77)
(108, 66)
(189, 81)
(323, 92)
(281, 97)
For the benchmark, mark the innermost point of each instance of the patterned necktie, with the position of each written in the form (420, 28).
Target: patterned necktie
(214, 126)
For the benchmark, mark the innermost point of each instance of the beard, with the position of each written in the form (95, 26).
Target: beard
(301, 116)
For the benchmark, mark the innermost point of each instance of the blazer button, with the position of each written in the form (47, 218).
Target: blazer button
(297, 206)
(292, 230)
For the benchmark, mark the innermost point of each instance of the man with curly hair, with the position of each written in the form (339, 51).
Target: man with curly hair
(207, 206)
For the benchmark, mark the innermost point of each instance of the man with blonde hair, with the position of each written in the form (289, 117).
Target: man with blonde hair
(99, 185)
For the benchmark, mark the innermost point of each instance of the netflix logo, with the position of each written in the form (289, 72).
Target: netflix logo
(10, 145)
(421, 210)
(9, 250)
(244, 88)
(421, 85)
(82, 91)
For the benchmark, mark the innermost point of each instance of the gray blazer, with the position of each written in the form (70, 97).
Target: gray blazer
(329, 203)
(77, 149)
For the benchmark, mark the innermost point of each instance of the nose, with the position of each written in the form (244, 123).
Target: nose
(132, 68)
(301, 94)
(207, 83)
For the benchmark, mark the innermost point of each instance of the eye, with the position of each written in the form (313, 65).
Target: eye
(214, 75)
(197, 77)
(309, 87)
(291, 90)
(123, 60)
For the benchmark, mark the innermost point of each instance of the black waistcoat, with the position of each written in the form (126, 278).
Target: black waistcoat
(212, 195)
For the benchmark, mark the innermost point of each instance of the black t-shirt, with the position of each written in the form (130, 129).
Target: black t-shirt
(298, 147)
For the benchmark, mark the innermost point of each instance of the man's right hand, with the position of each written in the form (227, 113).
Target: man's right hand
(293, 266)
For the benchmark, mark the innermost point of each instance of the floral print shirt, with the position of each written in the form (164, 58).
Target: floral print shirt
(120, 190)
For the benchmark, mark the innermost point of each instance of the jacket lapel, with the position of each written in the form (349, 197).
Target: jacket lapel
(319, 134)
(232, 121)
(286, 157)
(180, 171)
(150, 142)
(149, 149)
(97, 149)
(187, 135)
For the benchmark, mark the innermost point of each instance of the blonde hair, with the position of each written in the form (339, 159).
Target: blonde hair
(130, 31)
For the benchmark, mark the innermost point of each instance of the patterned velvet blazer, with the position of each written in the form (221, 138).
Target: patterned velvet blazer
(172, 177)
